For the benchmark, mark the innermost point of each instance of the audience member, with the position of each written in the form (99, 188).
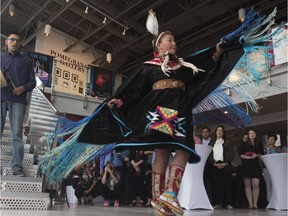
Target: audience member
(86, 188)
(220, 158)
(19, 74)
(206, 136)
(206, 139)
(250, 152)
(110, 185)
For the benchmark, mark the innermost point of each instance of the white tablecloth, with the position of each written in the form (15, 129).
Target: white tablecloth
(192, 193)
(70, 195)
(277, 168)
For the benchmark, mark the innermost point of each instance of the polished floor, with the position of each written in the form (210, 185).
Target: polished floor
(98, 210)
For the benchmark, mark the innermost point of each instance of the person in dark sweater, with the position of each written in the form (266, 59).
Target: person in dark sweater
(18, 72)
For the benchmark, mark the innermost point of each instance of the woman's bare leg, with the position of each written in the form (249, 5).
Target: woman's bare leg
(255, 191)
(248, 191)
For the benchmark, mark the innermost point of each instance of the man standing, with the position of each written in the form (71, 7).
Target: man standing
(206, 136)
(206, 139)
(19, 73)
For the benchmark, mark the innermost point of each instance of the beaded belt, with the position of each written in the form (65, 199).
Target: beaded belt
(168, 83)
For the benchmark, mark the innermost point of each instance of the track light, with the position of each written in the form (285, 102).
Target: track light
(109, 57)
(47, 30)
(242, 14)
(86, 10)
(12, 10)
(124, 31)
(67, 1)
(105, 20)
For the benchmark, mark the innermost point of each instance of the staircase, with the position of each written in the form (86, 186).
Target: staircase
(26, 193)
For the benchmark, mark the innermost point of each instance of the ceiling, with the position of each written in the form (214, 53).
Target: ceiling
(197, 24)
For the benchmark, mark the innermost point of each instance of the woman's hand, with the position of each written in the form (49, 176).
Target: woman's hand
(107, 169)
(218, 52)
(113, 102)
(219, 48)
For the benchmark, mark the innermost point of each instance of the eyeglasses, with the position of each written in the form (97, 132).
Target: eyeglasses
(14, 39)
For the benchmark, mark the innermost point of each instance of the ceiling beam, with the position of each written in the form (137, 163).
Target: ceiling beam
(130, 21)
(51, 19)
(101, 27)
(5, 6)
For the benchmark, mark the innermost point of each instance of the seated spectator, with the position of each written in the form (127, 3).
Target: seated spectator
(110, 185)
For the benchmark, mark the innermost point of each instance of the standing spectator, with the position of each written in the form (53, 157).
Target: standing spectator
(252, 171)
(110, 185)
(220, 158)
(206, 136)
(18, 71)
(206, 139)
(238, 193)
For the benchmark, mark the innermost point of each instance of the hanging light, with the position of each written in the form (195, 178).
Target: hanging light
(105, 20)
(86, 10)
(109, 57)
(47, 30)
(124, 31)
(242, 14)
(12, 10)
(67, 1)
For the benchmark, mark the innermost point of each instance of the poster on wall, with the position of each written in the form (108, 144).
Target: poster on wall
(101, 82)
(43, 66)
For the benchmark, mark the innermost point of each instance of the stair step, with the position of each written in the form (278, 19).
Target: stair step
(10, 139)
(21, 184)
(6, 157)
(24, 201)
(29, 170)
(36, 104)
(7, 147)
(50, 118)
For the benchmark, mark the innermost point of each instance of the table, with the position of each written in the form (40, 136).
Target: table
(276, 165)
(70, 195)
(192, 193)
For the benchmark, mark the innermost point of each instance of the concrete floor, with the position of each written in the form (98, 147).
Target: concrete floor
(98, 210)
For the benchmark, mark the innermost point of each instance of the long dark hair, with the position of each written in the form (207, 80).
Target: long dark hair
(224, 132)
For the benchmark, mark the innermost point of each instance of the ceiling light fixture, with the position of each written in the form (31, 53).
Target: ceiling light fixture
(105, 15)
(242, 14)
(12, 10)
(109, 57)
(124, 31)
(86, 10)
(67, 1)
(47, 30)
(105, 20)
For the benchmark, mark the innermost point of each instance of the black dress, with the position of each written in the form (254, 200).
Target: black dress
(251, 167)
(159, 118)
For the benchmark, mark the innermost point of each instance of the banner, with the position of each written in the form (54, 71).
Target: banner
(101, 82)
(43, 66)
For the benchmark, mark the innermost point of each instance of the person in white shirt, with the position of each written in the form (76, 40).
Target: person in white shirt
(206, 136)
(220, 159)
